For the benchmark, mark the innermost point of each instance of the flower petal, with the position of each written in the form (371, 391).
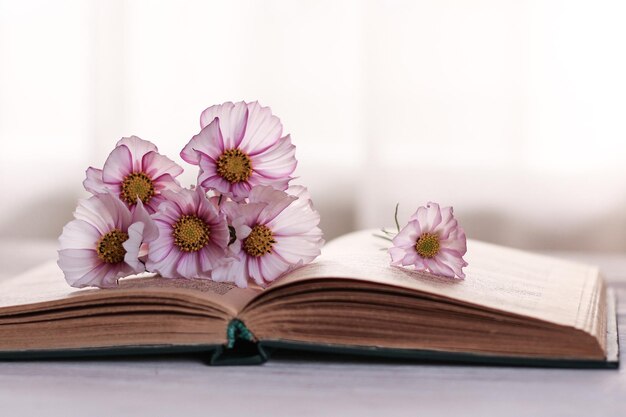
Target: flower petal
(408, 235)
(209, 142)
(231, 270)
(137, 146)
(76, 263)
(295, 249)
(79, 234)
(298, 218)
(272, 267)
(118, 165)
(235, 118)
(188, 266)
(439, 268)
(93, 181)
(276, 201)
(155, 165)
(276, 162)
(262, 131)
(132, 246)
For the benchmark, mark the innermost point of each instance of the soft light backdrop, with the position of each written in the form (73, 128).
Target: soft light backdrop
(512, 111)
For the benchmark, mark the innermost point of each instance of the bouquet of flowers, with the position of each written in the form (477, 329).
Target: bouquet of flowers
(242, 221)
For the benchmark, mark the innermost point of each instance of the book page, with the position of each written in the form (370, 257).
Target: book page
(46, 285)
(499, 278)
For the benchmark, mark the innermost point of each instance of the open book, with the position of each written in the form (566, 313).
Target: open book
(513, 307)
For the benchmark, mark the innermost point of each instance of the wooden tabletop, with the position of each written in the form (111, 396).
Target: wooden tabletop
(295, 385)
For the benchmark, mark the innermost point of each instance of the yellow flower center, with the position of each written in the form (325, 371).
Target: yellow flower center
(137, 185)
(110, 249)
(427, 245)
(191, 233)
(234, 166)
(259, 242)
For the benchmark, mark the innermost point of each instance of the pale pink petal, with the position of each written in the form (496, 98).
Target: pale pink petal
(165, 182)
(438, 268)
(447, 218)
(76, 263)
(235, 124)
(218, 110)
(140, 214)
(220, 235)
(242, 230)
(235, 121)
(214, 182)
(247, 214)
(299, 191)
(210, 257)
(233, 271)
(161, 248)
(257, 179)
(294, 249)
(272, 267)
(93, 181)
(95, 277)
(119, 213)
(298, 218)
(165, 267)
(444, 230)
(276, 162)
(456, 241)
(103, 211)
(137, 146)
(133, 245)
(183, 200)
(79, 234)
(276, 202)
(254, 270)
(408, 235)
(188, 266)
(152, 205)
(232, 210)
(452, 259)
(208, 143)
(428, 217)
(434, 215)
(156, 165)
(397, 255)
(262, 131)
(411, 257)
(205, 208)
(240, 190)
(118, 165)
(168, 212)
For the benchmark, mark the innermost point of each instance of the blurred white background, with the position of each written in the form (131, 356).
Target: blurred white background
(511, 111)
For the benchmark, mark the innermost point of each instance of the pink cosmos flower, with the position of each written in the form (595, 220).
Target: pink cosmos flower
(275, 233)
(193, 236)
(135, 169)
(431, 241)
(240, 146)
(102, 243)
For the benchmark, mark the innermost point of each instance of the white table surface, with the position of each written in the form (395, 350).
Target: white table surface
(294, 386)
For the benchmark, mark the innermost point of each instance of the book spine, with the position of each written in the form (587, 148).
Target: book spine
(238, 331)
(242, 348)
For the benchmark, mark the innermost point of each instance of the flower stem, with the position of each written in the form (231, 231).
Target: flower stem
(395, 216)
(382, 237)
